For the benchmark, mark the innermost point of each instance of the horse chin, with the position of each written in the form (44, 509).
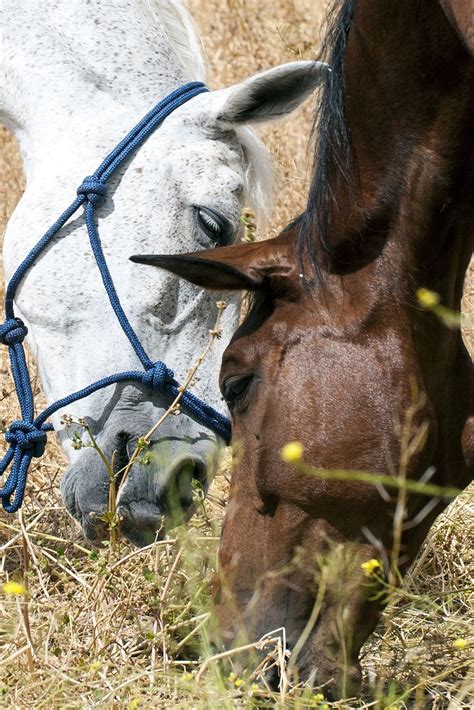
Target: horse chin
(321, 669)
(323, 675)
(323, 654)
(318, 665)
(158, 492)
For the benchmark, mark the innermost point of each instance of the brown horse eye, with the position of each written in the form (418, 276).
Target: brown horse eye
(234, 388)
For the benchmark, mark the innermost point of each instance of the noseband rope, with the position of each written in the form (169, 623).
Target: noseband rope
(27, 437)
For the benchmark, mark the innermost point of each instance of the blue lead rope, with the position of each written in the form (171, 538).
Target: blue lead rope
(27, 437)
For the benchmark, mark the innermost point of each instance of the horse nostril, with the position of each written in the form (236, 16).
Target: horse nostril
(190, 478)
(187, 479)
(121, 457)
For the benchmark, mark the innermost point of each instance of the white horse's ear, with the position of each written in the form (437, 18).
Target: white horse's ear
(271, 94)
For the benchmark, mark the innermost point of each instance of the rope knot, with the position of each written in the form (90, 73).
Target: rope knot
(26, 436)
(12, 331)
(157, 376)
(93, 189)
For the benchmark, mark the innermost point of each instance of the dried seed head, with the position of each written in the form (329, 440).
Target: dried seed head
(250, 228)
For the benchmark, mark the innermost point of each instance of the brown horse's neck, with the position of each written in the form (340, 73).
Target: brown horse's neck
(391, 208)
(406, 201)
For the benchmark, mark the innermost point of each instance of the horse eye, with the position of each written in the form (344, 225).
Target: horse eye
(234, 389)
(214, 225)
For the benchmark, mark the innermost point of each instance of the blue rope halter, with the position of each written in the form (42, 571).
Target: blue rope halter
(27, 437)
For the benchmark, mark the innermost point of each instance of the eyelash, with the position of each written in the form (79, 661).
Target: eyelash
(210, 223)
(214, 225)
(236, 395)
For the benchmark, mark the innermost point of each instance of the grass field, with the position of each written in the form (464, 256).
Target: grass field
(127, 628)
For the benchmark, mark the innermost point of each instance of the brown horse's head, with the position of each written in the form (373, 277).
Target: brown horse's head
(307, 365)
(335, 352)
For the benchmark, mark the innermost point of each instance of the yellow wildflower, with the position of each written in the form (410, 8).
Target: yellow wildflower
(238, 683)
(13, 589)
(460, 644)
(370, 566)
(292, 452)
(427, 298)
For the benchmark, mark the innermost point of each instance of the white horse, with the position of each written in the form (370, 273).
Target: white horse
(75, 76)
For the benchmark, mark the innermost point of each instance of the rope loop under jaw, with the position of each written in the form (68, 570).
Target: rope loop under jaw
(13, 331)
(26, 436)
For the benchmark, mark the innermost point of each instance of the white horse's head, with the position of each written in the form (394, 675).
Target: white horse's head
(183, 190)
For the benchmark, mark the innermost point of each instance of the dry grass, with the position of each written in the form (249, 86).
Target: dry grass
(126, 628)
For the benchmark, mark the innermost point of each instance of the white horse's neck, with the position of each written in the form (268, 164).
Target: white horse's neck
(67, 64)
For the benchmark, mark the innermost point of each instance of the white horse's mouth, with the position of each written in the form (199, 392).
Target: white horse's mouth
(153, 494)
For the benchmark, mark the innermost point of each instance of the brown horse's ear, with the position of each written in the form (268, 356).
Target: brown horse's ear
(249, 267)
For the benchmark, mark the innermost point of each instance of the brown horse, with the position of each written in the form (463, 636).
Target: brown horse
(336, 352)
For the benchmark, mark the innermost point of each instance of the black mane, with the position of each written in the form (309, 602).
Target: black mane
(333, 148)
